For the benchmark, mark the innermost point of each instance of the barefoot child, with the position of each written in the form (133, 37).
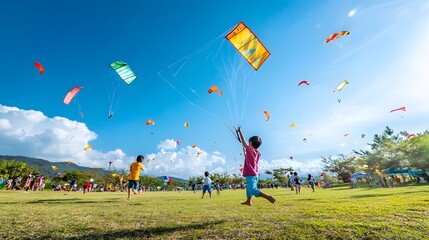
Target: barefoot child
(250, 168)
(134, 177)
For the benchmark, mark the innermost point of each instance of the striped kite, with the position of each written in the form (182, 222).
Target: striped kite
(70, 95)
(249, 46)
(303, 82)
(339, 87)
(399, 109)
(124, 71)
(334, 36)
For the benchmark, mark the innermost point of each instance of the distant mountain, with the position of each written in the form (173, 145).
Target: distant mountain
(174, 179)
(45, 167)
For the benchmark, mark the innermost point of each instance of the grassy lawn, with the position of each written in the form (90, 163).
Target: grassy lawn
(336, 213)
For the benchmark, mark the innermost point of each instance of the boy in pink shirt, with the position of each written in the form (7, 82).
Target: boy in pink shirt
(250, 168)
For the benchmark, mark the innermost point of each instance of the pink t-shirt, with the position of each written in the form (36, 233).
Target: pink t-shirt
(251, 160)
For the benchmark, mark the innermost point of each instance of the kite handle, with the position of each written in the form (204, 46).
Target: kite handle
(235, 134)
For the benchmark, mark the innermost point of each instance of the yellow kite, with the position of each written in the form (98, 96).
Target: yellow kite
(246, 42)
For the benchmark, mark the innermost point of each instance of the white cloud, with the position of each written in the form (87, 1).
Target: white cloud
(167, 144)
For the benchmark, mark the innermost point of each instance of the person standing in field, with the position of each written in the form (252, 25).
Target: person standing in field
(121, 183)
(206, 184)
(250, 168)
(297, 182)
(133, 178)
(310, 180)
(217, 187)
(86, 187)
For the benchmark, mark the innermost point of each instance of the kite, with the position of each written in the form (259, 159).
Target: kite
(346, 135)
(363, 135)
(39, 67)
(291, 157)
(339, 87)
(241, 168)
(186, 124)
(411, 135)
(198, 154)
(148, 160)
(267, 115)
(304, 82)
(114, 174)
(88, 147)
(70, 95)
(178, 142)
(249, 46)
(215, 89)
(124, 71)
(150, 122)
(305, 140)
(194, 146)
(55, 168)
(338, 100)
(398, 109)
(69, 162)
(334, 36)
(293, 125)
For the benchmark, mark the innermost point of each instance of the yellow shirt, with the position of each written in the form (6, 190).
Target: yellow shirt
(135, 168)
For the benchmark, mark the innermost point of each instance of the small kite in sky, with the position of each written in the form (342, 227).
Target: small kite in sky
(150, 122)
(338, 100)
(291, 157)
(339, 87)
(304, 139)
(398, 109)
(303, 82)
(334, 36)
(248, 45)
(293, 125)
(148, 160)
(186, 124)
(88, 147)
(411, 135)
(39, 67)
(346, 135)
(199, 153)
(69, 162)
(178, 142)
(267, 115)
(215, 89)
(194, 146)
(70, 95)
(363, 135)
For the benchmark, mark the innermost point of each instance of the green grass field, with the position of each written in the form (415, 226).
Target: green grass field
(336, 213)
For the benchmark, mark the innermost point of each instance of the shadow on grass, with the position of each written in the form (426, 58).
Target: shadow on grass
(71, 200)
(140, 233)
(384, 194)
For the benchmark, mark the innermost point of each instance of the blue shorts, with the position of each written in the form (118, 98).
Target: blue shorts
(252, 186)
(133, 184)
(207, 188)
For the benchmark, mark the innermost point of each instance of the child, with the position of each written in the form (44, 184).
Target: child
(250, 168)
(217, 187)
(86, 187)
(133, 178)
(297, 182)
(310, 180)
(207, 183)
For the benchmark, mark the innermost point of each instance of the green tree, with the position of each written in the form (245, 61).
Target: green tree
(342, 166)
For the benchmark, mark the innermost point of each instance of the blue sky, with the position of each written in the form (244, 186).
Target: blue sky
(384, 59)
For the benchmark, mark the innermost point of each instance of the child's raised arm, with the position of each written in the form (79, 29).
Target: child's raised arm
(243, 141)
